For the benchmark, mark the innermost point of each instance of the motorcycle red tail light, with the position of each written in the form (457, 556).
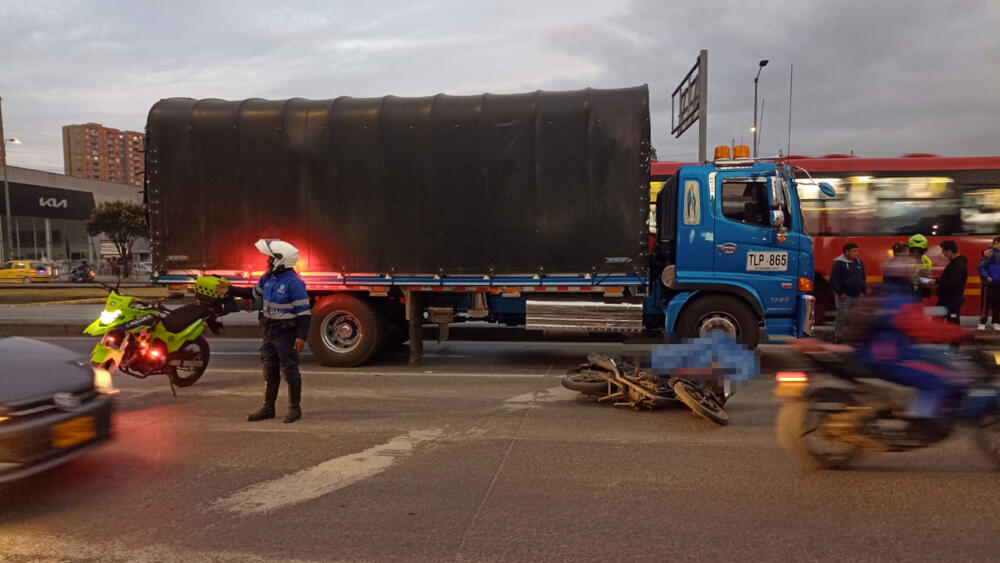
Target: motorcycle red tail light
(791, 377)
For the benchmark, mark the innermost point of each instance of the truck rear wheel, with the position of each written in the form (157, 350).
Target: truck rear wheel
(346, 331)
(720, 313)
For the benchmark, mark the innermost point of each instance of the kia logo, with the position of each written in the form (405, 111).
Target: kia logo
(52, 202)
(66, 401)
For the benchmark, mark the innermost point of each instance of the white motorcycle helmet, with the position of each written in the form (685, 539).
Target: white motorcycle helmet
(281, 254)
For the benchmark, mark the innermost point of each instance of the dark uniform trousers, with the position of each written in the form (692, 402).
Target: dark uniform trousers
(277, 353)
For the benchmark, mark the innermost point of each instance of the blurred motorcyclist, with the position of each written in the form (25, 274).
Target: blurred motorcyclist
(891, 349)
(81, 273)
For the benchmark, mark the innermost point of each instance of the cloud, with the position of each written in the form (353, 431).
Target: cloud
(878, 78)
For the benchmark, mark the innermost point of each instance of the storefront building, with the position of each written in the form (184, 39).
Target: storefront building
(48, 217)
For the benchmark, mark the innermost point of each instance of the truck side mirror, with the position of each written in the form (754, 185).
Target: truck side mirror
(827, 189)
(777, 195)
(778, 219)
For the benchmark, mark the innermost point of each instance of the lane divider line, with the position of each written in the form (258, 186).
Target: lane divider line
(325, 478)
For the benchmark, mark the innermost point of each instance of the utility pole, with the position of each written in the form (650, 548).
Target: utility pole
(761, 66)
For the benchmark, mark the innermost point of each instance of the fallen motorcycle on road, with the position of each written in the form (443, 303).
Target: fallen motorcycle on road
(621, 383)
(696, 374)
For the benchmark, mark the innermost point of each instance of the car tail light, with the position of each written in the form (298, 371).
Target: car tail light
(805, 284)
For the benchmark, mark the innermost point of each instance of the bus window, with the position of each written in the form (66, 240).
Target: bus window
(868, 205)
(980, 211)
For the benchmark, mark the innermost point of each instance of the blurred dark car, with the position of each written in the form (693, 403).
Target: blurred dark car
(50, 409)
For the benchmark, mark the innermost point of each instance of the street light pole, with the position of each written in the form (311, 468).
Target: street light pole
(6, 196)
(762, 64)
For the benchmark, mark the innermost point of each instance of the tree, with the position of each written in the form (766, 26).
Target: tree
(123, 222)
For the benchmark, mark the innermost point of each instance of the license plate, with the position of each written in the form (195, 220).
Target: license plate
(767, 261)
(789, 389)
(74, 431)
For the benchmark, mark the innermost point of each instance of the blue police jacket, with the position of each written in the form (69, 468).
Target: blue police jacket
(285, 299)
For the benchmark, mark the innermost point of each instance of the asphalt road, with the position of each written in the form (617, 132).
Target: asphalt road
(478, 455)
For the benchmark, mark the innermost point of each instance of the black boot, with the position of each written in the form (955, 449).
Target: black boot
(270, 395)
(294, 396)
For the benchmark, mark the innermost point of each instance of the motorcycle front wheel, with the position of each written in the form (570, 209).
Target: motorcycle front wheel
(700, 400)
(193, 358)
(799, 426)
(587, 381)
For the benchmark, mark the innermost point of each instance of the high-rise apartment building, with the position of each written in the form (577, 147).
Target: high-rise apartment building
(101, 153)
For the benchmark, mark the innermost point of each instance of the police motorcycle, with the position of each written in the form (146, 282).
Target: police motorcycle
(146, 338)
(696, 374)
(838, 411)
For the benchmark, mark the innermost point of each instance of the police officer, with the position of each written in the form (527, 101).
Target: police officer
(285, 316)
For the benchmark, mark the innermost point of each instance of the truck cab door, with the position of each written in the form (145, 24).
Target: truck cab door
(695, 226)
(751, 246)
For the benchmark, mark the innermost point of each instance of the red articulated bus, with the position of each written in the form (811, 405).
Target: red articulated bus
(881, 201)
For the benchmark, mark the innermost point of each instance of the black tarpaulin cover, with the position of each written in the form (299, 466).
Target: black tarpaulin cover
(461, 185)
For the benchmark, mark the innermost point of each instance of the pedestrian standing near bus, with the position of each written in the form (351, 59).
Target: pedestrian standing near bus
(951, 284)
(989, 273)
(848, 281)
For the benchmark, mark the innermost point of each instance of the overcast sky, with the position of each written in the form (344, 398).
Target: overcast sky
(880, 78)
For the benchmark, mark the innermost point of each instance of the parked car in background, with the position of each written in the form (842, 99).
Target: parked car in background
(53, 407)
(24, 271)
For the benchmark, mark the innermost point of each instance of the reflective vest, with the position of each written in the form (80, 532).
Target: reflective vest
(283, 295)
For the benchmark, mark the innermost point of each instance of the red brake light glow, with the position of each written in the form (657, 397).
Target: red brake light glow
(791, 377)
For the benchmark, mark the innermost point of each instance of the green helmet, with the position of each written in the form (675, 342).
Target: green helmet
(211, 287)
(918, 241)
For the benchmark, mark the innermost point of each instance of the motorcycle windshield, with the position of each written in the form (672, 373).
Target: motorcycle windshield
(117, 302)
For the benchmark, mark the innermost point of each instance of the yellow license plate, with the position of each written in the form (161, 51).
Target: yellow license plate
(789, 390)
(74, 431)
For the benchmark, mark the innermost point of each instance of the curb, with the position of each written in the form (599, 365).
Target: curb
(90, 301)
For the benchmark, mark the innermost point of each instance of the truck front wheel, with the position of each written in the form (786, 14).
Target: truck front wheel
(346, 331)
(720, 313)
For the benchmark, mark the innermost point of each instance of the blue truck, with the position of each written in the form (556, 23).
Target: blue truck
(528, 210)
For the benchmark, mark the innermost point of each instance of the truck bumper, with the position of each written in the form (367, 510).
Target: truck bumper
(807, 319)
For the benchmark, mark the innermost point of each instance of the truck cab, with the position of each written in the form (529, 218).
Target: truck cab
(731, 252)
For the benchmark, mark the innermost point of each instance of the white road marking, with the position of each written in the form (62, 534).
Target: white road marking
(30, 546)
(326, 477)
(535, 400)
